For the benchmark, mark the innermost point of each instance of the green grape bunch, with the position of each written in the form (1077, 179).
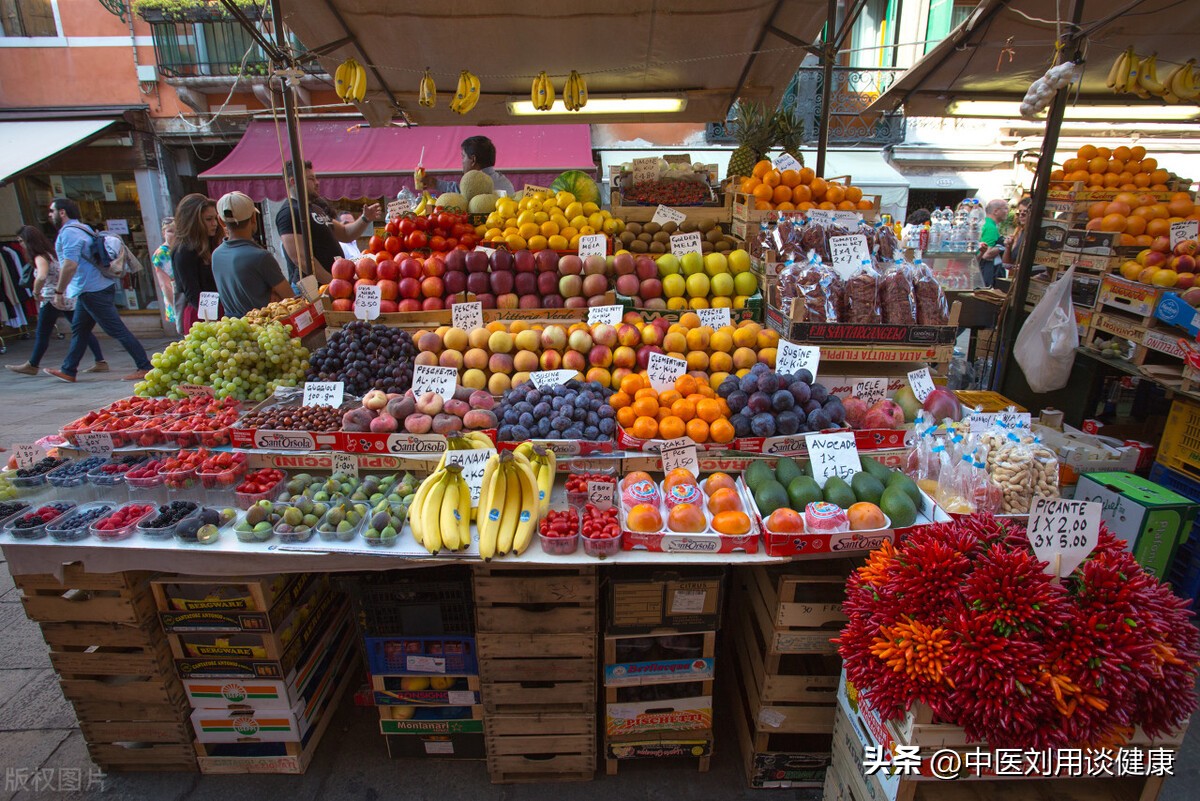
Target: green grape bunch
(238, 359)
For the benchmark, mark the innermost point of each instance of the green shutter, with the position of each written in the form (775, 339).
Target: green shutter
(941, 13)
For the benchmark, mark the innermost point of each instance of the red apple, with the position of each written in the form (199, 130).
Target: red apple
(570, 265)
(547, 283)
(434, 266)
(645, 268)
(432, 304)
(409, 288)
(529, 302)
(478, 283)
(388, 270)
(553, 300)
(433, 287)
(523, 261)
(411, 268)
(343, 269)
(476, 261)
(623, 264)
(343, 304)
(651, 288)
(547, 261)
(627, 284)
(502, 262)
(502, 283)
(340, 288)
(456, 261)
(365, 268)
(409, 305)
(526, 283)
(388, 306)
(388, 290)
(456, 282)
(486, 300)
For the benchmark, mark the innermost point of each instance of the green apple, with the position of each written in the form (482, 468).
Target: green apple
(715, 264)
(723, 285)
(692, 263)
(668, 264)
(745, 283)
(674, 286)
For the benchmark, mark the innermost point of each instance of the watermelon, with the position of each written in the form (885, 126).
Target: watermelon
(579, 184)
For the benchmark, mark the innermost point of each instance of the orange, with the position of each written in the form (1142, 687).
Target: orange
(764, 192)
(805, 206)
(645, 428)
(684, 409)
(1123, 153)
(1115, 166)
(772, 178)
(761, 168)
(1127, 240)
(619, 400)
(853, 194)
(801, 194)
(790, 178)
(783, 194)
(697, 429)
(724, 500)
(865, 516)
(1072, 165)
(671, 427)
(762, 205)
(646, 392)
(1097, 164)
(1141, 180)
(1137, 152)
(1180, 205)
(1113, 222)
(626, 416)
(1135, 225)
(819, 188)
(1111, 180)
(1087, 152)
(679, 475)
(1098, 209)
(685, 385)
(668, 397)
(1055, 175)
(645, 407)
(825, 204)
(1158, 227)
(1096, 179)
(865, 205)
(718, 481)
(847, 205)
(708, 410)
(732, 524)
(1143, 241)
(1159, 177)
(632, 383)
(835, 193)
(1148, 165)
(1104, 153)
(721, 431)
(662, 414)
(807, 175)
(644, 517)
(785, 206)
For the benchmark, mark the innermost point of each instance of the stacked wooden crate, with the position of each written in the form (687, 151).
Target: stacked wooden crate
(114, 666)
(536, 631)
(263, 660)
(787, 669)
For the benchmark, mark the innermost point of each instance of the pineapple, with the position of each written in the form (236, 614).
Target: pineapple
(753, 128)
(789, 134)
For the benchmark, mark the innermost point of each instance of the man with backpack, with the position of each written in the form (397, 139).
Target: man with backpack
(84, 261)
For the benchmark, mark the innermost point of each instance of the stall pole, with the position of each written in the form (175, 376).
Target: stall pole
(828, 54)
(1037, 207)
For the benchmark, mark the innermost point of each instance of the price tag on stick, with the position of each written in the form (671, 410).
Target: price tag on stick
(366, 302)
(1063, 533)
(790, 358)
(398, 208)
(787, 162)
(323, 393)
(197, 390)
(210, 306)
(833, 455)
(473, 463)
(847, 252)
(680, 456)
(662, 370)
(346, 464)
(27, 455)
(428, 378)
(921, 382)
(309, 287)
(543, 379)
(593, 245)
(96, 442)
(605, 314)
(467, 316)
(714, 318)
(871, 390)
(601, 493)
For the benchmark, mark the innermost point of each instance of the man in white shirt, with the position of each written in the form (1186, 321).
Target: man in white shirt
(479, 153)
(350, 249)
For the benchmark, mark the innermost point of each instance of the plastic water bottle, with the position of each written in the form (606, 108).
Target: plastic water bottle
(936, 242)
(977, 216)
(958, 229)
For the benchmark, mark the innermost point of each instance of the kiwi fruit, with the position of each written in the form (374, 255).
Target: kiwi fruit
(633, 228)
(714, 235)
(707, 225)
(687, 226)
(645, 237)
(706, 247)
(722, 246)
(652, 228)
(658, 247)
(670, 227)
(638, 246)
(627, 237)
(662, 236)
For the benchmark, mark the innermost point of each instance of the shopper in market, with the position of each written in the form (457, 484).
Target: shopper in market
(1016, 240)
(349, 249)
(247, 276)
(198, 232)
(327, 231)
(41, 256)
(990, 259)
(164, 274)
(94, 294)
(478, 153)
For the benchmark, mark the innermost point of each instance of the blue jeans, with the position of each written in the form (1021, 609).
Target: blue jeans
(47, 316)
(100, 307)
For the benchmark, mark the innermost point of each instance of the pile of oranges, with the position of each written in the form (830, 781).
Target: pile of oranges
(1124, 168)
(1140, 218)
(800, 190)
(690, 409)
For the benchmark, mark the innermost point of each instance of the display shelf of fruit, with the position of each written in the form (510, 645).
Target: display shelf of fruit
(558, 533)
(365, 356)
(572, 418)
(1161, 266)
(677, 283)
(259, 485)
(76, 524)
(691, 409)
(32, 525)
(684, 511)
(767, 189)
(539, 221)
(287, 416)
(236, 358)
(545, 279)
(121, 524)
(1119, 169)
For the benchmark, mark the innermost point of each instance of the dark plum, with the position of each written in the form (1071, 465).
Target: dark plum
(800, 391)
(804, 375)
(749, 383)
(787, 423)
(763, 425)
(741, 424)
(811, 406)
(818, 420)
(782, 400)
(819, 392)
(768, 383)
(737, 400)
(728, 386)
(759, 402)
(836, 411)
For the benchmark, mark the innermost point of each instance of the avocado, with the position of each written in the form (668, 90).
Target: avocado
(873, 467)
(909, 486)
(802, 491)
(757, 473)
(838, 492)
(899, 508)
(866, 487)
(770, 495)
(786, 469)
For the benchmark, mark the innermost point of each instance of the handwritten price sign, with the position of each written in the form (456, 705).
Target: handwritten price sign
(605, 314)
(323, 393)
(593, 245)
(210, 306)
(398, 208)
(871, 390)
(601, 493)
(714, 318)
(1063, 533)
(467, 316)
(833, 455)
(543, 379)
(473, 463)
(96, 442)
(665, 214)
(27, 455)
(790, 358)
(196, 390)
(366, 302)
(686, 243)
(662, 370)
(1183, 231)
(346, 464)
(848, 252)
(921, 382)
(681, 456)
(982, 421)
(428, 378)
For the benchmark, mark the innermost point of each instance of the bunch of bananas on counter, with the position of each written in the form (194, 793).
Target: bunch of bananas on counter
(544, 464)
(440, 512)
(1133, 74)
(466, 95)
(350, 81)
(542, 92)
(426, 204)
(508, 505)
(575, 95)
(428, 93)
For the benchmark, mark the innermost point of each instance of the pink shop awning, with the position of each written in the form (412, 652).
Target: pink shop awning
(354, 162)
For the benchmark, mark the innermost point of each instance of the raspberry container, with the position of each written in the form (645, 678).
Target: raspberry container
(111, 486)
(126, 531)
(243, 500)
(152, 489)
(76, 524)
(162, 532)
(70, 481)
(38, 531)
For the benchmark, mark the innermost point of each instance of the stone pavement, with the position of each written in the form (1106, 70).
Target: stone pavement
(43, 755)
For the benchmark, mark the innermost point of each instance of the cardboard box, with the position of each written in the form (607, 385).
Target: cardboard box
(400, 691)
(1172, 310)
(658, 746)
(675, 714)
(1052, 235)
(848, 334)
(648, 601)
(1152, 520)
(422, 656)
(1133, 297)
(203, 608)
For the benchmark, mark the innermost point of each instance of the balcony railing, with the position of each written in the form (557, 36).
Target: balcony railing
(210, 48)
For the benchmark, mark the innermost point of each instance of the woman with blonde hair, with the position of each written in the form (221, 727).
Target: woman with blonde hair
(197, 233)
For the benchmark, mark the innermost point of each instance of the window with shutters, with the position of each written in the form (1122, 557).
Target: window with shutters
(28, 18)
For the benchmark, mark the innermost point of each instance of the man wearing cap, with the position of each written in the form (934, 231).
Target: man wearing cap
(247, 276)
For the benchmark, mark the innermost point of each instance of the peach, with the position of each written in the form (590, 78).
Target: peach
(652, 335)
(554, 337)
(525, 361)
(425, 357)
(475, 358)
(451, 358)
(600, 356)
(499, 383)
(529, 340)
(604, 334)
(479, 337)
(473, 379)
(500, 363)
(624, 356)
(574, 360)
(599, 375)
(687, 518)
(551, 360)
(580, 341)
(629, 335)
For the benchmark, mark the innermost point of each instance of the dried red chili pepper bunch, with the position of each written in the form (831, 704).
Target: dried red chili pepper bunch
(961, 616)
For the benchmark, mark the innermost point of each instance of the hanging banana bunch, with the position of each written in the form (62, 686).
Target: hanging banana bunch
(350, 81)
(1181, 84)
(428, 94)
(575, 93)
(1131, 73)
(542, 92)
(467, 93)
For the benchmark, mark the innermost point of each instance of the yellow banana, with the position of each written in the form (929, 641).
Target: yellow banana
(1148, 76)
(462, 515)
(1128, 82)
(418, 504)
(581, 92)
(1183, 81)
(543, 92)
(485, 485)
(472, 93)
(341, 80)
(1118, 69)
(533, 91)
(544, 475)
(448, 511)
(512, 510)
(431, 527)
(428, 94)
(491, 507)
(461, 92)
(529, 515)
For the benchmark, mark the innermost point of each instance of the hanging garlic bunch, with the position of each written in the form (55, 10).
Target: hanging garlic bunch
(1041, 91)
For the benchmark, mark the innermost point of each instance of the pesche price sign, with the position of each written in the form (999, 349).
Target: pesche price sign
(366, 302)
(467, 316)
(1063, 533)
(833, 455)
(662, 370)
(790, 357)
(428, 378)
(714, 318)
(1184, 230)
(323, 393)
(605, 314)
(473, 464)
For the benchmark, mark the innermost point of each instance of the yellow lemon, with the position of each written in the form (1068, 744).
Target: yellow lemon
(506, 206)
(677, 304)
(493, 234)
(573, 243)
(529, 229)
(558, 242)
(534, 205)
(698, 303)
(590, 208)
(596, 220)
(550, 203)
(510, 232)
(569, 232)
(586, 229)
(613, 226)
(515, 243)
(549, 228)
(525, 217)
(739, 302)
(722, 302)
(511, 222)
(564, 198)
(577, 220)
(538, 242)
(540, 217)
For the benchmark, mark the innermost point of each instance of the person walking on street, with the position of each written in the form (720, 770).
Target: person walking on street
(94, 294)
(45, 278)
(992, 249)
(247, 276)
(164, 274)
(197, 232)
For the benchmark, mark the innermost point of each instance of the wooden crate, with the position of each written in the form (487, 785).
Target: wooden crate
(1147, 340)
(536, 657)
(535, 601)
(87, 597)
(541, 748)
(696, 745)
(794, 611)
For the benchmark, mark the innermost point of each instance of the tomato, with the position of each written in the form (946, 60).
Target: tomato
(451, 243)
(437, 243)
(422, 223)
(407, 226)
(445, 219)
(416, 240)
(393, 245)
(375, 245)
(469, 240)
(393, 227)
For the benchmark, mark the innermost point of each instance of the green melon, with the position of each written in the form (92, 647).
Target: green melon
(579, 184)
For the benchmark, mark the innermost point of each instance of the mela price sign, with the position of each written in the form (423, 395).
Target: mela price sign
(714, 318)
(96, 442)
(593, 245)
(662, 370)
(686, 243)
(677, 456)
(323, 393)
(833, 455)
(790, 358)
(1063, 533)
(921, 382)
(472, 463)
(366, 302)
(848, 252)
(346, 464)
(210, 306)
(428, 378)
(467, 316)
(601, 493)
(544, 379)
(26, 455)
(665, 214)
(1184, 230)
(871, 390)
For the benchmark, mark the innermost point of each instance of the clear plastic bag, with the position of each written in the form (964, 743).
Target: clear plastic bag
(862, 296)
(1045, 348)
(896, 305)
(928, 297)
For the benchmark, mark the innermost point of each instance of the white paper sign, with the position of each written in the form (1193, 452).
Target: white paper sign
(847, 219)
(686, 243)
(601, 493)
(847, 252)
(27, 455)
(430, 378)
(983, 421)
(309, 287)
(790, 357)
(833, 455)
(921, 382)
(788, 162)
(467, 316)
(531, 188)
(346, 464)
(543, 379)
(366, 302)
(714, 318)
(645, 170)
(665, 214)
(459, 698)
(96, 442)
(1063, 533)
(871, 390)
(210, 306)
(662, 370)
(472, 463)
(605, 314)
(196, 390)
(398, 208)
(684, 457)
(323, 393)
(1184, 230)
(117, 226)
(593, 245)
(821, 216)
(688, 602)
(425, 664)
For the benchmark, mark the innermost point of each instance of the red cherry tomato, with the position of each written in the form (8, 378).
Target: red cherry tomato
(422, 223)
(393, 228)
(375, 244)
(407, 226)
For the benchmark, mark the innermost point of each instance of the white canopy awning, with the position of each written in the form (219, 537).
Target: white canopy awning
(24, 145)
